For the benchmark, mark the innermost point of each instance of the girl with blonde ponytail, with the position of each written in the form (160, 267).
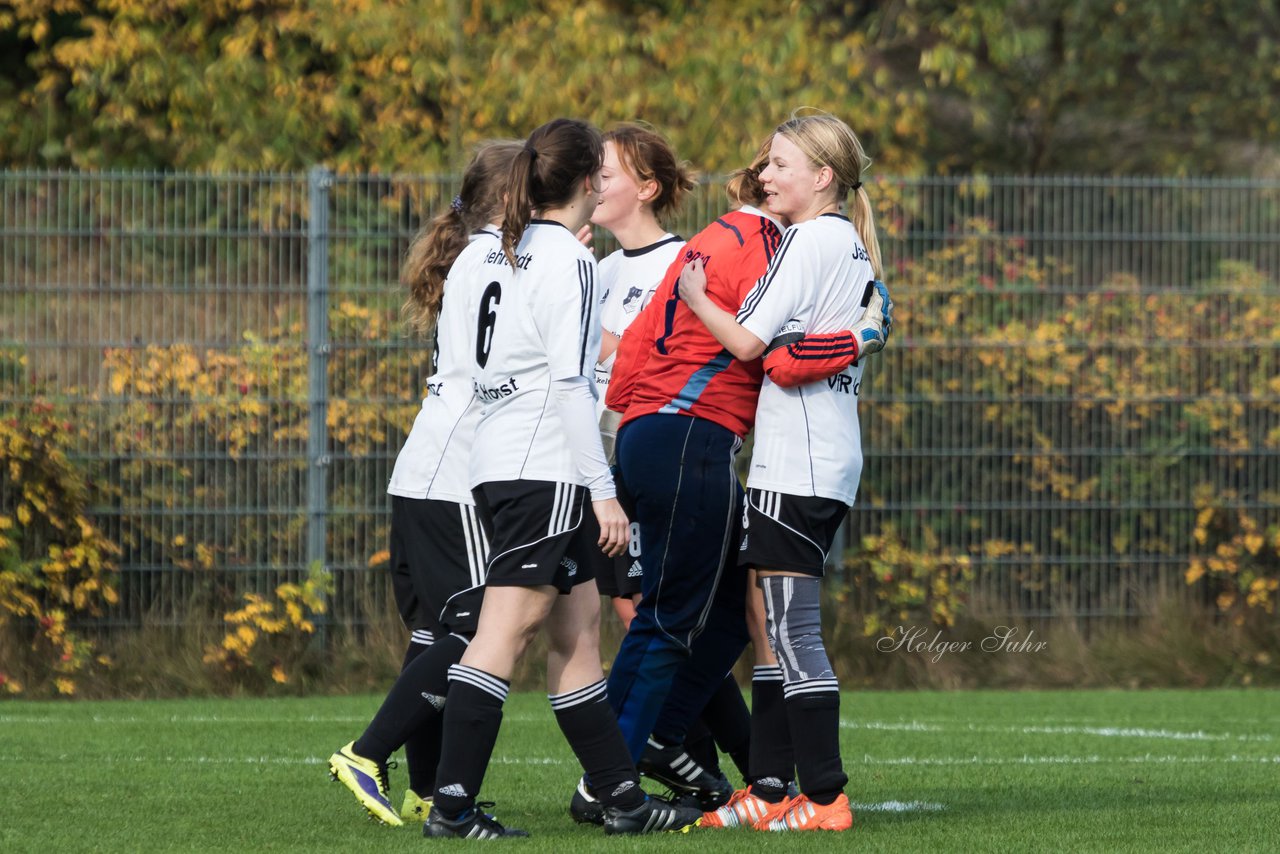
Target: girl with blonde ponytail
(821, 292)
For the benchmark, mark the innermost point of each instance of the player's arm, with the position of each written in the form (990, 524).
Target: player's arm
(742, 343)
(568, 319)
(794, 358)
(634, 347)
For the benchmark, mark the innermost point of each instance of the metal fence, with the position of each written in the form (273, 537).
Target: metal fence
(1079, 366)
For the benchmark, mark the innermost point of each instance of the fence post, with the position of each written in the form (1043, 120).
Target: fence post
(319, 183)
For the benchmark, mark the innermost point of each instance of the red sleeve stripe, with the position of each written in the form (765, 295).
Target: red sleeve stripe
(824, 347)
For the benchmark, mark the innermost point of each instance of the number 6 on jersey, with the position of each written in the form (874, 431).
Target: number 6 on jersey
(488, 317)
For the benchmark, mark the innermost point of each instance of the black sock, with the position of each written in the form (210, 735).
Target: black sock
(814, 716)
(422, 755)
(729, 720)
(406, 709)
(591, 728)
(772, 757)
(472, 717)
(701, 747)
(422, 749)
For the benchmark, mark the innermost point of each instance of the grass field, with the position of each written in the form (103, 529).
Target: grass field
(972, 771)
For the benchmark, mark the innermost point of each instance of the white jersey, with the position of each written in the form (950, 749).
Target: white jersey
(435, 460)
(807, 439)
(628, 280)
(540, 325)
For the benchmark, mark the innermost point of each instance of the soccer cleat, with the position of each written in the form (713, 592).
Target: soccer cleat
(415, 809)
(367, 781)
(584, 808)
(652, 816)
(804, 814)
(744, 809)
(675, 769)
(472, 824)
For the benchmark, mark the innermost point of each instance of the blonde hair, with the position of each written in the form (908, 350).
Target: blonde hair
(827, 141)
(437, 245)
(743, 186)
(648, 156)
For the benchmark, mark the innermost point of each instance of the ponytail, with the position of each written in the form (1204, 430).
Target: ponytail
(743, 186)
(427, 264)
(547, 172)
(438, 245)
(864, 221)
(519, 205)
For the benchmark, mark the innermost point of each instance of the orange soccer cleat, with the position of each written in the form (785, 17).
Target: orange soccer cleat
(745, 809)
(804, 814)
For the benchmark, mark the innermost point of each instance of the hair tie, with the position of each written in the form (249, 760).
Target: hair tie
(857, 185)
(533, 152)
(456, 204)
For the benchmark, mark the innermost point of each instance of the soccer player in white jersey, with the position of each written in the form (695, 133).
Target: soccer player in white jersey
(437, 546)
(807, 458)
(641, 184)
(537, 468)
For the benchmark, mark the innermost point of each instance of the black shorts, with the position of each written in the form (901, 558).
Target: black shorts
(438, 553)
(536, 533)
(619, 576)
(789, 532)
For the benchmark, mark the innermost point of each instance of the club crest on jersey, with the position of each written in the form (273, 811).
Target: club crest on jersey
(483, 392)
(631, 302)
(499, 257)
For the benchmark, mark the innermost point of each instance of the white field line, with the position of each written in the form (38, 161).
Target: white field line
(1102, 731)
(213, 719)
(1146, 759)
(248, 760)
(898, 806)
(883, 726)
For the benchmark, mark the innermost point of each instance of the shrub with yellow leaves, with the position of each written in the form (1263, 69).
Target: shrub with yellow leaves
(1237, 558)
(55, 564)
(268, 637)
(901, 585)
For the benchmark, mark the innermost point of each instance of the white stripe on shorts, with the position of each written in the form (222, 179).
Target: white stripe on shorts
(477, 547)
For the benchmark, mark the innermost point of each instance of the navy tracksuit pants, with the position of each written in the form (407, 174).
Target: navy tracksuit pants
(690, 626)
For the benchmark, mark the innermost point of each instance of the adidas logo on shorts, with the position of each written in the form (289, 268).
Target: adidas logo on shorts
(743, 547)
(635, 571)
(571, 565)
(454, 790)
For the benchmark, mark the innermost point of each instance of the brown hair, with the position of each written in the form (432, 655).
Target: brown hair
(743, 186)
(546, 173)
(648, 156)
(437, 245)
(827, 141)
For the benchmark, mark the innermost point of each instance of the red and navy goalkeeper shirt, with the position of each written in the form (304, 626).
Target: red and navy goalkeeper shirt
(668, 362)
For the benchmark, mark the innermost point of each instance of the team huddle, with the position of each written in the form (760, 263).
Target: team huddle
(578, 437)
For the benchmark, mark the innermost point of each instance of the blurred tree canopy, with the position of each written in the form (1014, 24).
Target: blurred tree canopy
(997, 86)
